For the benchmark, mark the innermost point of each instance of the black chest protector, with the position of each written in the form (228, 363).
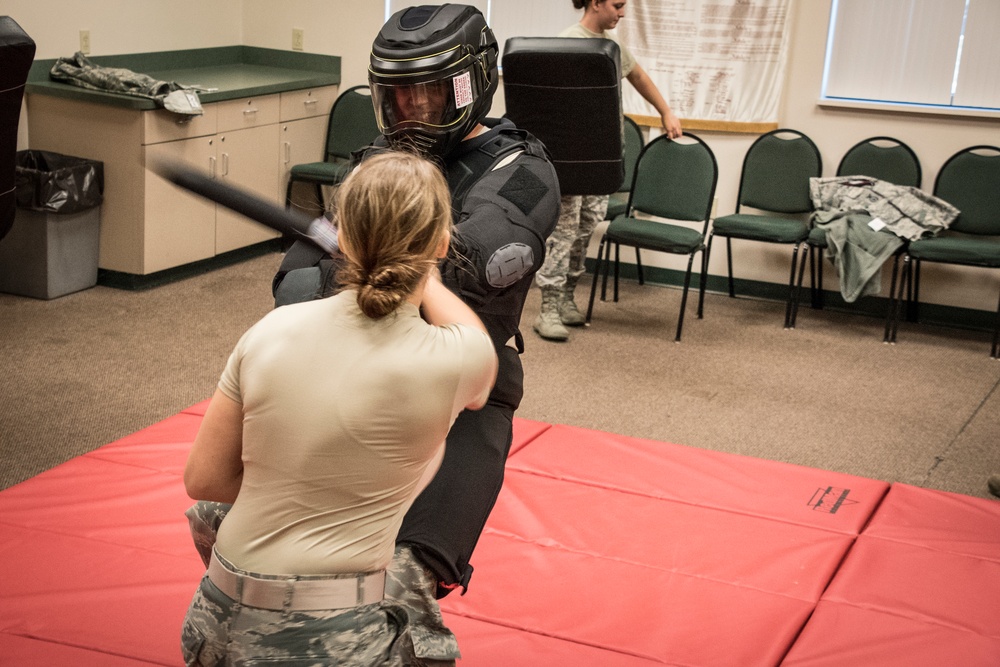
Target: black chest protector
(505, 202)
(503, 194)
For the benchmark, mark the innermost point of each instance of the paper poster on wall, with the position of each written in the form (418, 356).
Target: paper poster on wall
(713, 60)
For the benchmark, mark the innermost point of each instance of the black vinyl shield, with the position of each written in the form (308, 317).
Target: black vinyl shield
(17, 51)
(567, 92)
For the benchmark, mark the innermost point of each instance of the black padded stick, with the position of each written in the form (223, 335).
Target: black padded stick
(320, 231)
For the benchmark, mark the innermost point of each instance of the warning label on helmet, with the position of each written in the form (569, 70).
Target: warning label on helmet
(463, 90)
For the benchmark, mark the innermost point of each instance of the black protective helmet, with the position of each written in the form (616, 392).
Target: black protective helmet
(433, 73)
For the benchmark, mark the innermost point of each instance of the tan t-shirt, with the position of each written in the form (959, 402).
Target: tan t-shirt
(344, 422)
(577, 30)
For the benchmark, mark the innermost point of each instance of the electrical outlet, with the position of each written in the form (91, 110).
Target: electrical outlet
(297, 39)
(84, 42)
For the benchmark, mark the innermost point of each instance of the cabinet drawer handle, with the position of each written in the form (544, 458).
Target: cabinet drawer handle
(225, 164)
(211, 166)
(311, 102)
(288, 152)
(247, 112)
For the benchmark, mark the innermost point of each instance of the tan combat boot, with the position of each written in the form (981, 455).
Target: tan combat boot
(547, 324)
(569, 314)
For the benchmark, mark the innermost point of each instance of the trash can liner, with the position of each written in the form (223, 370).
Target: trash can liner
(55, 183)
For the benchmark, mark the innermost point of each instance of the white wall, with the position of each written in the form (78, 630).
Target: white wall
(346, 27)
(342, 28)
(121, 26)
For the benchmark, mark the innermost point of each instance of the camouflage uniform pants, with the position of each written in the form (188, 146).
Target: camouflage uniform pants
(219, 631)
(579, 215)
(409, 587)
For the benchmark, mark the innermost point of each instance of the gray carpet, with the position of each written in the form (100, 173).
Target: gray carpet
(88, 368)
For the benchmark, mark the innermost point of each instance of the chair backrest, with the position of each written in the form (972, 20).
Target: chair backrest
(776, 172)
(884, 158)
(352, 123)
(633, 146)
(675, 179)
(970, 181)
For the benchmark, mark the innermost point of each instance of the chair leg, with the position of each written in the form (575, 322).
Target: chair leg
(638, 265)
(798, 291)
(320, 200)
(913, 299)
(892, 299)
(593, 284)
(905, 283)
(288, 194)
(995, 351)
(702, 279)
(815, 277)
(684, 298)
(618, 250)
(812, 276)
(607, 268)
(909, 294)
(791, 289)
(819, 274)
(729, 261)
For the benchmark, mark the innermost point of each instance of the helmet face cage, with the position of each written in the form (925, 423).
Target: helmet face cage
(432, 77)
(431, 110)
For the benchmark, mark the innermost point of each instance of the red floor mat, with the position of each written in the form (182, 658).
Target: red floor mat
(19, 651)
(89, 594)
(491, 645)
(602, 550)
(744, 485)
(920, 587)
(682, 557)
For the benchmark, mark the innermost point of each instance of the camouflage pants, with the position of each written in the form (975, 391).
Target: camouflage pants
(567, 245)
(220, 631)
(409, 587)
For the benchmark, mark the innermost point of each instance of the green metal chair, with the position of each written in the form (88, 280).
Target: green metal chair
(970, 181)
(351, 126)
(885, 158)
(675, 180)
(618, 203)
(774, 179)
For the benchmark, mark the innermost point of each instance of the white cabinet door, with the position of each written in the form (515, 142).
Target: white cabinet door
(302, 141)
(245, 160)
(179, 227)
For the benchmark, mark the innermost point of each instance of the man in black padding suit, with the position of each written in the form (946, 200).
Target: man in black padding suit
(433, 74)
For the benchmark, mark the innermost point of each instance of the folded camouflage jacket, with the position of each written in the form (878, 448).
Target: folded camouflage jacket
(81, 71)
(856, 212)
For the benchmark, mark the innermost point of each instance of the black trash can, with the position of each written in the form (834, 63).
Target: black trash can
(53, 247)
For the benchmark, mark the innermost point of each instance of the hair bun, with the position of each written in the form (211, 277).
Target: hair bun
(384, 278)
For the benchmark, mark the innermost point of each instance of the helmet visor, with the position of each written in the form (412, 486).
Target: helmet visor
(435, 106)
